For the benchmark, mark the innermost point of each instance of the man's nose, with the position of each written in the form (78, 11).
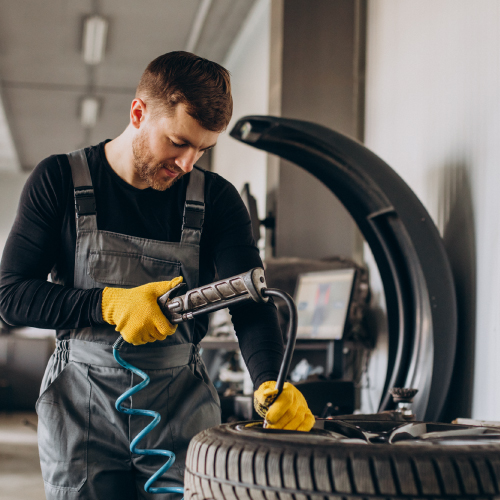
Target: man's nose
(186, 161)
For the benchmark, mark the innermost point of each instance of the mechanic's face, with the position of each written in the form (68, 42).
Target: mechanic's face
(166, 147)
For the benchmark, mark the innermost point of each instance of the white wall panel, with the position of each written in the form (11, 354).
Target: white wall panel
(248, 62)
(433, 113)
(8, 154)
(11, 185)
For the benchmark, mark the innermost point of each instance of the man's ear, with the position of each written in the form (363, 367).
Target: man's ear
(137, 112)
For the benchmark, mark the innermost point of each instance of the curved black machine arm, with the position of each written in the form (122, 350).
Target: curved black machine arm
(409, 252)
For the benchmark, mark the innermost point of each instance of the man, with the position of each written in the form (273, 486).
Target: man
(116, 225)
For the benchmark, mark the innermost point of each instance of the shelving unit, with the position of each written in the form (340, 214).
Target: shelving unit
(333, 350)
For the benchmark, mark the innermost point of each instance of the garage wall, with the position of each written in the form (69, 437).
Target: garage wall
(248, 62)
(433, 113)
(8, 155)
(11, 185)
(11, 178)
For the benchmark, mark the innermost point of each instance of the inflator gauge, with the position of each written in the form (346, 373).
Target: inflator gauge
(177, 308)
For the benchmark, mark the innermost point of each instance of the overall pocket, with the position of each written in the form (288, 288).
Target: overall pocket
(63, 426)
(130, 269)
(199, 370)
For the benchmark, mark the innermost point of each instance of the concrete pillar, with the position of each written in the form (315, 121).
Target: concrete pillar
(316, 74)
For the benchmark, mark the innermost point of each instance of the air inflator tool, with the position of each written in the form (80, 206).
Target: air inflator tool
(177, 308)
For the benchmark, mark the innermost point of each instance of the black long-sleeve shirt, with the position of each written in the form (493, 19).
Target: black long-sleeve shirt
(43, 238)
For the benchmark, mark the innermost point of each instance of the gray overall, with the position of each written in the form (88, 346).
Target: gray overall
(83, 440)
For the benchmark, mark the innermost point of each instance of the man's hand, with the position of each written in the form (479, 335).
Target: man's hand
(289, 411)
(136, 313)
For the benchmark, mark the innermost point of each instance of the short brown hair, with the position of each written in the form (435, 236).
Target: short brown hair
(203, 86)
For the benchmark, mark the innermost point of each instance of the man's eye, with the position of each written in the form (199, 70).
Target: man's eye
(176, 145)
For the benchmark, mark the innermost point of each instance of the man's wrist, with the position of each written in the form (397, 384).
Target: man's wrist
(97, 309)
(265, 377)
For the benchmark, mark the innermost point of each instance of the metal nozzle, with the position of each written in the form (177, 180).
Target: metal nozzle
(403, 396)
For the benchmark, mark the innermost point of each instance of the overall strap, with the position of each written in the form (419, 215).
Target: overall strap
(85, 207)
(194, 208)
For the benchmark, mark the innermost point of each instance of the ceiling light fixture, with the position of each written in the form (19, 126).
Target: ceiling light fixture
(95, 30)
(89, 111)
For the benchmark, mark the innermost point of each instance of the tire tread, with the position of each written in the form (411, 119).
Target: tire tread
(312, 471)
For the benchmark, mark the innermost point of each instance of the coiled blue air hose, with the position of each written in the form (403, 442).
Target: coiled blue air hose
(156, 419)
(285, 365)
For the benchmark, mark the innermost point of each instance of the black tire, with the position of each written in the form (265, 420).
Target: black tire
(226, 462)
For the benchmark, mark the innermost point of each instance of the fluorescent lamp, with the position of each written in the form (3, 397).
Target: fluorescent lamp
(89, 111)
(95, 30)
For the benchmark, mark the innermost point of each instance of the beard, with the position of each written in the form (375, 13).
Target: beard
(147, 168)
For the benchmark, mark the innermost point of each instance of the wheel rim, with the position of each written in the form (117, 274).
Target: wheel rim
(384, 432)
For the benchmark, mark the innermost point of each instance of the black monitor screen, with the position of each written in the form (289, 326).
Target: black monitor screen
(322, 300)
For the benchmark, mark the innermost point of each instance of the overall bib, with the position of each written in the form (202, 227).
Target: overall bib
(83, 440)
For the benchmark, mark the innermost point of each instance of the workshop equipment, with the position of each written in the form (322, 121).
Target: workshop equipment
(249, 286)
(409, 252)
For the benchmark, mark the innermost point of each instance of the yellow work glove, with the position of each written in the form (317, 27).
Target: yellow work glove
(136, 313)
(289, 411)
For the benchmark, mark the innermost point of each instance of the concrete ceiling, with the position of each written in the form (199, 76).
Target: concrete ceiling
(43, 77)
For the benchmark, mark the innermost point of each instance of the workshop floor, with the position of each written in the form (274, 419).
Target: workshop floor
(20, 477)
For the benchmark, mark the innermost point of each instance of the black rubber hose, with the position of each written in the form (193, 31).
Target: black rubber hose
(291, 334)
